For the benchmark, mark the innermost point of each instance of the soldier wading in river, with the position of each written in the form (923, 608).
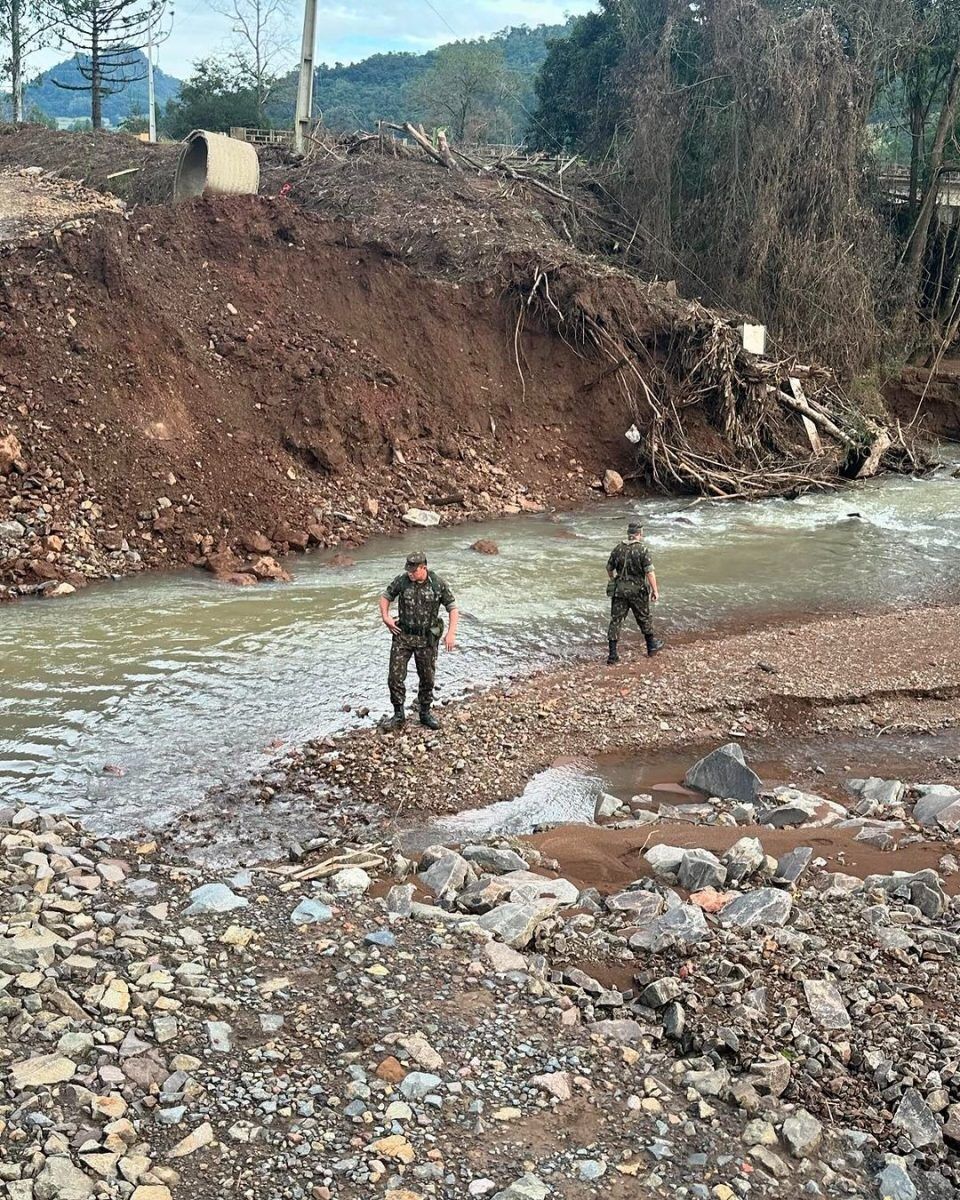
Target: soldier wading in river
(417, 631)
(632, 585)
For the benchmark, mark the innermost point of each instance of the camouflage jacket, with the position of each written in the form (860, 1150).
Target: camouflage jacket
(631, 563)
(418, 604)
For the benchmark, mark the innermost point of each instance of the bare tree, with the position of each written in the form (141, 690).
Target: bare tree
(261, 40)
(463, 87)
(108, 37)
(23, 29)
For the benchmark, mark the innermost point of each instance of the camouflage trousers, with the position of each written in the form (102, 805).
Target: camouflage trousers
(423, 650)
(622, 606)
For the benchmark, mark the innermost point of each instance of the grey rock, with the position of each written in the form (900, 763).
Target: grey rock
(771, 1076)
(350, 881)
(765, 906)
(144, 889)
(709, 1082)
(171, 1116)
(61, 1180)
(220, 1035)
(399, 899)
(883, 792)
(418, 1084)
(496, 861)
(516, 924)
(792, 808)
(934, 798)
(606, 806)
(660, 992)
(213, 898)
(527, 1187)
(310, 912)
(589, 1169)
(724, 773)
(949, 818)
(826, 1004)
(922, 888)
(701, 869)
(665, 861)
(894, 1182)
(380, 937)
(914, 1118)
(684, 925)
(421, 518)
(674, 1019)
(802, 1133)
(447, 874)
(624, 1030)
(640, 905)
(744, 858)
(12, 531)
(792, 865)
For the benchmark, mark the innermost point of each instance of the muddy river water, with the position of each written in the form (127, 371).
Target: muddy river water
(178, 683)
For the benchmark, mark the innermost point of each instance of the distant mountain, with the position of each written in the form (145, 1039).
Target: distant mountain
(56, 102)
(357, 95)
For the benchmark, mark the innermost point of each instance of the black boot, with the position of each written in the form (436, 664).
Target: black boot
(613, 657)
(427, 718)
(397, 721)
(654, 645)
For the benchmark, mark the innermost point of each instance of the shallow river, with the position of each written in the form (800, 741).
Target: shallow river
(183, 683)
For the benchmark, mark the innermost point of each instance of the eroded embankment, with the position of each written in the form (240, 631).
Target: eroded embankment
(237, 374)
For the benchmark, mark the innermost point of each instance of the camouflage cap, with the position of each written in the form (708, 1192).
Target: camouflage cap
(415, 559)
(635, 527)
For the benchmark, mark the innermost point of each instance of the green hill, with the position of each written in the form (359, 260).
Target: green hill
(357, 95)
(54, 101)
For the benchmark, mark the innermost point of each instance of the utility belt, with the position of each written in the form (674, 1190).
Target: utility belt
(628, 589)
(420, 638)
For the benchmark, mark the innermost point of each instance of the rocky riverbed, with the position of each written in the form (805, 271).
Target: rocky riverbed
(474, 1022)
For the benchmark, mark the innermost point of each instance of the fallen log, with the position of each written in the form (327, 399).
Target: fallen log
(798, 402)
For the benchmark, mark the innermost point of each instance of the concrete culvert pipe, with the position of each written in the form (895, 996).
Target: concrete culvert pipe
(216, 164)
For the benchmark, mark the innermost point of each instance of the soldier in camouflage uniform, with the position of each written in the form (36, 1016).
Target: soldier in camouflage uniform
(633, 583)
(416, 632)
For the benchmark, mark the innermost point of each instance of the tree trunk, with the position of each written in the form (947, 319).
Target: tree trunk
(928, 206)
(16, 61)
(916, 155)
(96, 94)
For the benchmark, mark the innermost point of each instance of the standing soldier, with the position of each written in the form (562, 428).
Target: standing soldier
(632, 585)
(417, 632)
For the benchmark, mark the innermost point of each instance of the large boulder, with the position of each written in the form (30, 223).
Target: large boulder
(922, 888)
(934, 799)
(724, 773)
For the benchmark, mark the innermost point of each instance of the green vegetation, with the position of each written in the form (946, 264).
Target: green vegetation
(214, 97)
(388, 86)
(44, 95)
(743, 143)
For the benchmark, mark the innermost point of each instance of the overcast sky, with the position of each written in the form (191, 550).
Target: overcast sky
(354, 29)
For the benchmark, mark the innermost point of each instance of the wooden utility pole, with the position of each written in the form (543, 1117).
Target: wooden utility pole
(304, 115)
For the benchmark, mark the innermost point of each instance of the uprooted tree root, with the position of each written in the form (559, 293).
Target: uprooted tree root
(712, 418)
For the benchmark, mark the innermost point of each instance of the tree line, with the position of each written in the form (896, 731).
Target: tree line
(480, 89)
(750, 144)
